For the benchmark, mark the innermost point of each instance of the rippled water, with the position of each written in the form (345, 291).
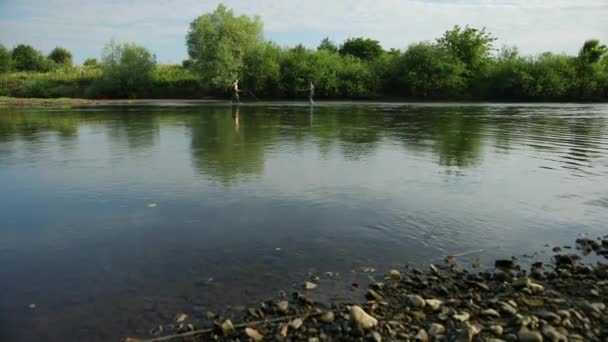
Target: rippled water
(250, 200)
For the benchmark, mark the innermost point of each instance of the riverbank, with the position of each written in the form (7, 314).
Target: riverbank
(565, 300)
(6, 101)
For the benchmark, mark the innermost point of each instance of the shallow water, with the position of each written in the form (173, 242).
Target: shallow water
(250, 201)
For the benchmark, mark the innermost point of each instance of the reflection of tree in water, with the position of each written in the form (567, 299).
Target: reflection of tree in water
(227, 151)
(29, 125)
(455, 134)
(138, 129)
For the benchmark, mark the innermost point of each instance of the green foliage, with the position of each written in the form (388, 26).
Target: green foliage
(428, 71)
(61, 56)
(127, 71)
(218, 42)
(90, 62)
(470, 46)
(5, 59)
(592, 51)
(26, 58)
(328, 45)
(261, 72)
(363, 48)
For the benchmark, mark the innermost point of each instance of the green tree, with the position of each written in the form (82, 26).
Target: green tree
(218, 42)
(5, 59)
(261, 72)
(426, 70)
(62, 56)
(328, 45)
(590, 71)
(127, 70)
(363, 48)
(26, 58)
(470, 45)
(90, 62)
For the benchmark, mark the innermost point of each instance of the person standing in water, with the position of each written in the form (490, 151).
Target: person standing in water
(234, 90)
(311, 92)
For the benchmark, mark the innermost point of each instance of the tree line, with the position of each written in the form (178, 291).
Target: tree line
(462, 64)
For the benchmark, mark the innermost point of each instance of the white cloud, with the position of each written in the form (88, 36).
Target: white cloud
(84, 26)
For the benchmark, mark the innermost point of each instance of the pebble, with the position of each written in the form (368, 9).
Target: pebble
(553, 335)
(328, 317)
(490, 313)
(309, 286)
(507, 308)
(526, 335)
(254, 334)
(227, 327)
(377, 337)
(394, 274)
(296, 323)
(536, 288)
(180, 318)
(371, 294)
(434, 304)
(362, 319)
(422, 336)
(522, 283)
(496, 330)
(416, 301)
(436, 329)
(462, 317)
(283, 306)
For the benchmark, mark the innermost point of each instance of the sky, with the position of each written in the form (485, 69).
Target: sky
(84, 26)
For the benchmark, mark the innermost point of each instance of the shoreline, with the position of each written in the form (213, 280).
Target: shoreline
(565, 300)
(17, 102)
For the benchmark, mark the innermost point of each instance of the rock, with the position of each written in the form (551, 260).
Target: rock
(553, 335)
(377, 337)
(394, 274)
(436, 329)
(536, 288)
(507, 308)
(327, 317)
(565, 314)
(227, 327)
(490, 313)
(362, 319)
(522, 283)
(567, 260)
(309, 286)
(416, 301)
(434, 304)
(371, 294)
(481, 286)
(283, 306)
(462, 317)
(180, 318)
(422, 336)
(526, 335)
(314, 339)
(549, 316)
(497, 330)
(557, 249)
(254, 334)
(296, 323)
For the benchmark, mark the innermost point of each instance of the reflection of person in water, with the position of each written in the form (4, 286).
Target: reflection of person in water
(310, 115)
(235, 117)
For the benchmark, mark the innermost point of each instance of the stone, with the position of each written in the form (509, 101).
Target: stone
(462, 317)
(504, 263)
(522, 283)
(567, 260)
(371, 294)
(296, 323)
(421, 336)
(526, 335)
(254, 334)
(377, 337)
(490, 313)
(549, 316)
(394, 274)
(434, 304)
(361, 319)
(553, 335)
(328, 317)
(536, 288)
(497, 330)
(416, 301)
(436, 329)
(227, 327)
(180, 318)
(283, 306)
(309, 286)
(507, 308)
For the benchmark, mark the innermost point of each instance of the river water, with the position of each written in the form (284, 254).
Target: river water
(113, 219)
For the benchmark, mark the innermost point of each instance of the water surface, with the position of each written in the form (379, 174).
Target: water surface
(250, 200)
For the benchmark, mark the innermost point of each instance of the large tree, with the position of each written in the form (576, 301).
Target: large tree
(60, 55)
(26, 58)
(5, 59)
(363, 48)
(469, 45)
(217, 43)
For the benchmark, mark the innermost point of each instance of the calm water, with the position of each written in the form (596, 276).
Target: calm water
(250, 202)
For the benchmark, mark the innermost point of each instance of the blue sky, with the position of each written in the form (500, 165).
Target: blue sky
(84, 26)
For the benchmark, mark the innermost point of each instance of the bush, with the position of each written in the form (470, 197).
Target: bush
(127, 71)
(33, 88)
(90, 62)
(5, 59)
(61, 56)
(26, 58)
